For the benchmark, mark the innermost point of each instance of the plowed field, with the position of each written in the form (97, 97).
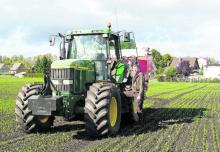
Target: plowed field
(178, 116)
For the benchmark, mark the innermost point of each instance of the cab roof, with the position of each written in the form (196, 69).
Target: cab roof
(91, 31)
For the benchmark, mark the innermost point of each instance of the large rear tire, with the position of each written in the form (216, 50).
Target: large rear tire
(102, 110)
(24, 117)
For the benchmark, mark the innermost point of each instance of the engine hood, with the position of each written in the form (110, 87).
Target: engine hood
(73, 63)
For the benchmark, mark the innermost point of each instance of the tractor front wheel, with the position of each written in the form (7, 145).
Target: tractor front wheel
(24, 117)
(102, 110)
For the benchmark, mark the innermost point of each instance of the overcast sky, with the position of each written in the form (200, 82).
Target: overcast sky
(178, 27)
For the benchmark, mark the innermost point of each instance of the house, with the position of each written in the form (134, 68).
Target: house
(175, 62)
(17, 68)
(3, 68)
(212, 71)
(20, 75)
(203, 61)
(193, 62)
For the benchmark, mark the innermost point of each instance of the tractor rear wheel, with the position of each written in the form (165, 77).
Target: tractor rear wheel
(102, 110)
(24, 117)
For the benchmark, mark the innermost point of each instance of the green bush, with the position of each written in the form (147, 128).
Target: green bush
(170, 73)
(160, 78)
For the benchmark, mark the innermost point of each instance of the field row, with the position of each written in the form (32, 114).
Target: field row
(178, 117)
(181, 125)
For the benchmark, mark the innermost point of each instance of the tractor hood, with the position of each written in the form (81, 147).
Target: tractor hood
(73, 63)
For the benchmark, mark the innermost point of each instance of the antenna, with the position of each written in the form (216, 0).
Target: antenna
(134, 42)
(116, 17)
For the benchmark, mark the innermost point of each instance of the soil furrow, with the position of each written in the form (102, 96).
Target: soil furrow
(192, 102)
(172, 91)
(182, 119)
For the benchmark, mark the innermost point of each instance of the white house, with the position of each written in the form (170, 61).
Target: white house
(17, 68)
(133, 52)
(203, 61)
(20, 75)
(212, 71)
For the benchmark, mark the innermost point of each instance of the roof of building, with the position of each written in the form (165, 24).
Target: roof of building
(203, 58)
(213, 65)
(192, 60)
(176, 61)
(2, 65)
(16, 66)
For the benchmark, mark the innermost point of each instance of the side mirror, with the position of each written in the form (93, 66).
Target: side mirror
(68, 38)
(62, 49)
(111, 43)
(126, 37)
(52, 40)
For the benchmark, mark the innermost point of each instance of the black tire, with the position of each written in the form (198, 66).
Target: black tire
(97, 109)
(133, 112)
(24, 117)
(132, 115)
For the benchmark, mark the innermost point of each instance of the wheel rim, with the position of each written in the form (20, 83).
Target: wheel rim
(43, 119)
(113, 111)
(134, 103)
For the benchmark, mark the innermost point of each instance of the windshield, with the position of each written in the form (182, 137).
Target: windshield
(88, 47)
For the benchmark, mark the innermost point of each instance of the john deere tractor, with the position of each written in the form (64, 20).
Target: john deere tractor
(90, 78)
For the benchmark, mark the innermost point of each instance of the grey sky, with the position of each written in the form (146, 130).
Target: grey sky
(179, 27)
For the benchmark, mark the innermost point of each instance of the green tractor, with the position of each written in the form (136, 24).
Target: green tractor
(91, 78)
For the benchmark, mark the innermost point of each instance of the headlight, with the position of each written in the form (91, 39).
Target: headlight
(60, 82)
(67, 81)
(57, 82)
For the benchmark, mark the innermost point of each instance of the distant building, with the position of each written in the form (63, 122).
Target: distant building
(203, 62)
(3, 68)
(129, 52)
(212, 71)
(20, 75)
(175, 62)
(17, 68)
(193, 62)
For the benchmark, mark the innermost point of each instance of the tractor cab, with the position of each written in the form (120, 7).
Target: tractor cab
(101, 47)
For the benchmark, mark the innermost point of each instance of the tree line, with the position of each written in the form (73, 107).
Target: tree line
(41, 63)
(161, 61)
(38, 64)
